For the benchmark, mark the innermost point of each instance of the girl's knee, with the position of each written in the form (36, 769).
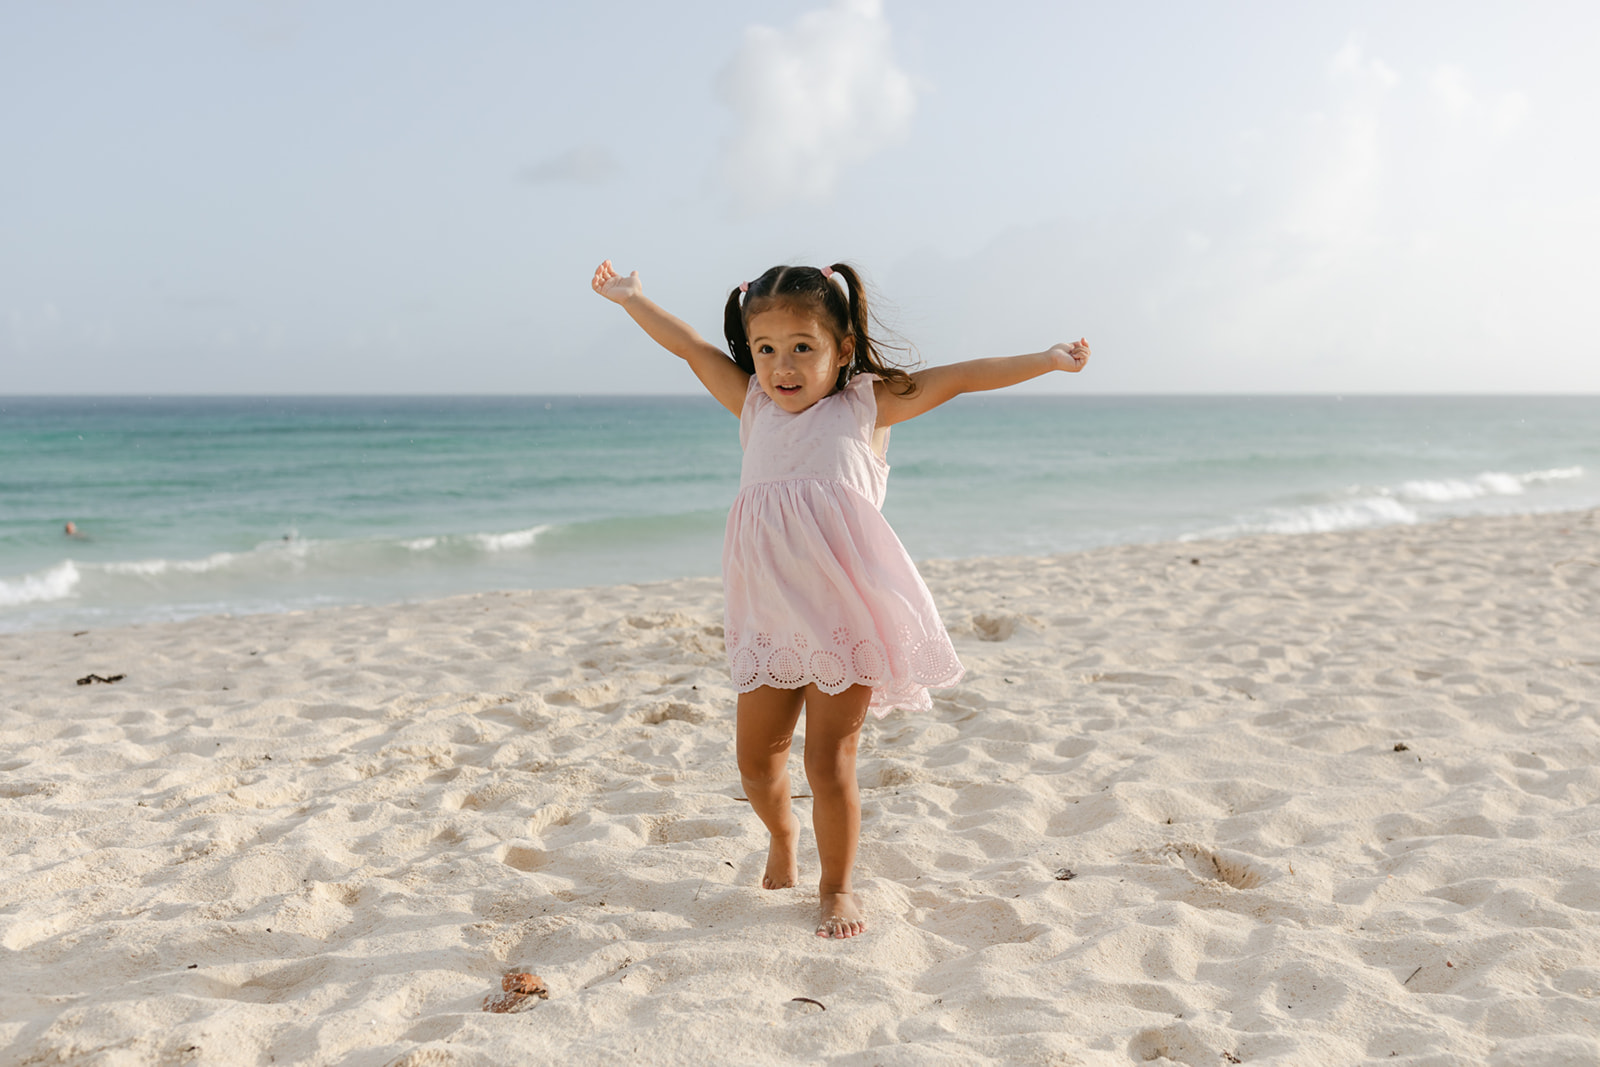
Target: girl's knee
(831, 770)
(758, 777)
(763, 767)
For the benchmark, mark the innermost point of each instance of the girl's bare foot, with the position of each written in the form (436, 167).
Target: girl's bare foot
(839, 916)
(783, 865)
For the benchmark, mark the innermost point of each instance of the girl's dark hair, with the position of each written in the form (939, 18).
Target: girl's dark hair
(842, 310)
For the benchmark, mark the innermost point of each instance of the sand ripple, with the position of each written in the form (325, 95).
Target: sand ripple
(1326, 799)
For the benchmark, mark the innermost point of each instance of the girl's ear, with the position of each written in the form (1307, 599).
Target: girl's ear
(847, 349)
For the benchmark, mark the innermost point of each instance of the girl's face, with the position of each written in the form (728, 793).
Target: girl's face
(797, 359)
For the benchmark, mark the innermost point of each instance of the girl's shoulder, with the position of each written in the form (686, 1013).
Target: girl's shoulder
(860, 394)
(864, 387)
(753, 396)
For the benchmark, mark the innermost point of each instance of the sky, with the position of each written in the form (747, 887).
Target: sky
(409, 198)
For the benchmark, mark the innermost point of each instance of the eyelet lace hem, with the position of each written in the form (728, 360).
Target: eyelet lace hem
(899, 677)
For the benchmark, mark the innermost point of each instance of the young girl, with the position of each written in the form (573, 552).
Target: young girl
(824, 608)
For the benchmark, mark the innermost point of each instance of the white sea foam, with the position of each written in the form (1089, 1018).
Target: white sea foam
(1347, 515)
(1317, 518)
(142, 567)
(57, 583)
(1367, 506)
(1448, 490)
(1489, 483)
(152, 567)
(1554, 474)
(509, 541)
(264, 552)
(266, 562)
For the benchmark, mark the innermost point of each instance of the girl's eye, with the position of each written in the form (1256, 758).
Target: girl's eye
(765, 350)
(802, 348)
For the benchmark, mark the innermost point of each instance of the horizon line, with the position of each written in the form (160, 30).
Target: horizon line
(997, 394)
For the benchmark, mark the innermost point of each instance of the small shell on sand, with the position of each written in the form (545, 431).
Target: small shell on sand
(527, 984)
(520, 991)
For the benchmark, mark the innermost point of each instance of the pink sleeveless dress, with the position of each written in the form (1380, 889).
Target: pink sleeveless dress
(819, 589)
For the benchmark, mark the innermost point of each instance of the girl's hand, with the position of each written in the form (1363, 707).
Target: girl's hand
(1070, 358)
(613, 286)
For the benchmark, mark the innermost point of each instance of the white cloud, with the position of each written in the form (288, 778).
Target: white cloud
(1336, 192)
(1509, 111)
(1352, 65)
(1449, 85)
(812, 100)
(1375, 241)
(1450, 89)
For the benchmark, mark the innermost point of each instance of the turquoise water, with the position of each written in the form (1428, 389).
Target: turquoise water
(191, 506)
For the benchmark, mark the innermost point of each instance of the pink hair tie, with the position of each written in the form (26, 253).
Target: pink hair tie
(744, 287)
(827, 272)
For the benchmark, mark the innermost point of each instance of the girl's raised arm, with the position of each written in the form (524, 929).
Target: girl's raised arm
(937, 384)
(722, 377)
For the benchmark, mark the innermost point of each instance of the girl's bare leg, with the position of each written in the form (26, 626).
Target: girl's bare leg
(765, 729)
(833, 732)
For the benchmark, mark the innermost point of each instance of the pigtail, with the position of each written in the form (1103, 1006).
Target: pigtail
(733, 329)
(869, 357)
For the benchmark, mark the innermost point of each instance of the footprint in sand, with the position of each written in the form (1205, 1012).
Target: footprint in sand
(1210, 865)
(1171, 1043)
(525, 859)
(675, 710)
(995, 627)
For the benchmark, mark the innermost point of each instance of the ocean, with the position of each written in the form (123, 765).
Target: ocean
(200, 505)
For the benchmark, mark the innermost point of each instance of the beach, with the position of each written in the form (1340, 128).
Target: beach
(1316, 799)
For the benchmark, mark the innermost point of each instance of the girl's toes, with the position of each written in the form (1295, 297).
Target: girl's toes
(839, 928)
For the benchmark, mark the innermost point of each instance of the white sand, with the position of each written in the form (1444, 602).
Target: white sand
(321, 838)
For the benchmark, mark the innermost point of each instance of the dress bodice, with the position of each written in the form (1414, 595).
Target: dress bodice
(830, 441)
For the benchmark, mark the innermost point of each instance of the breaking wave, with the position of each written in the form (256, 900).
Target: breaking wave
(290, 556)
(1412, 501)
(57, 583)
(1489, 483)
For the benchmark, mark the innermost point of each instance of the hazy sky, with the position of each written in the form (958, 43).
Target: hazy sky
(410, 197)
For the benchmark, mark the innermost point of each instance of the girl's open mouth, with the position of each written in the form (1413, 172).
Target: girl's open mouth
(788, 389)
